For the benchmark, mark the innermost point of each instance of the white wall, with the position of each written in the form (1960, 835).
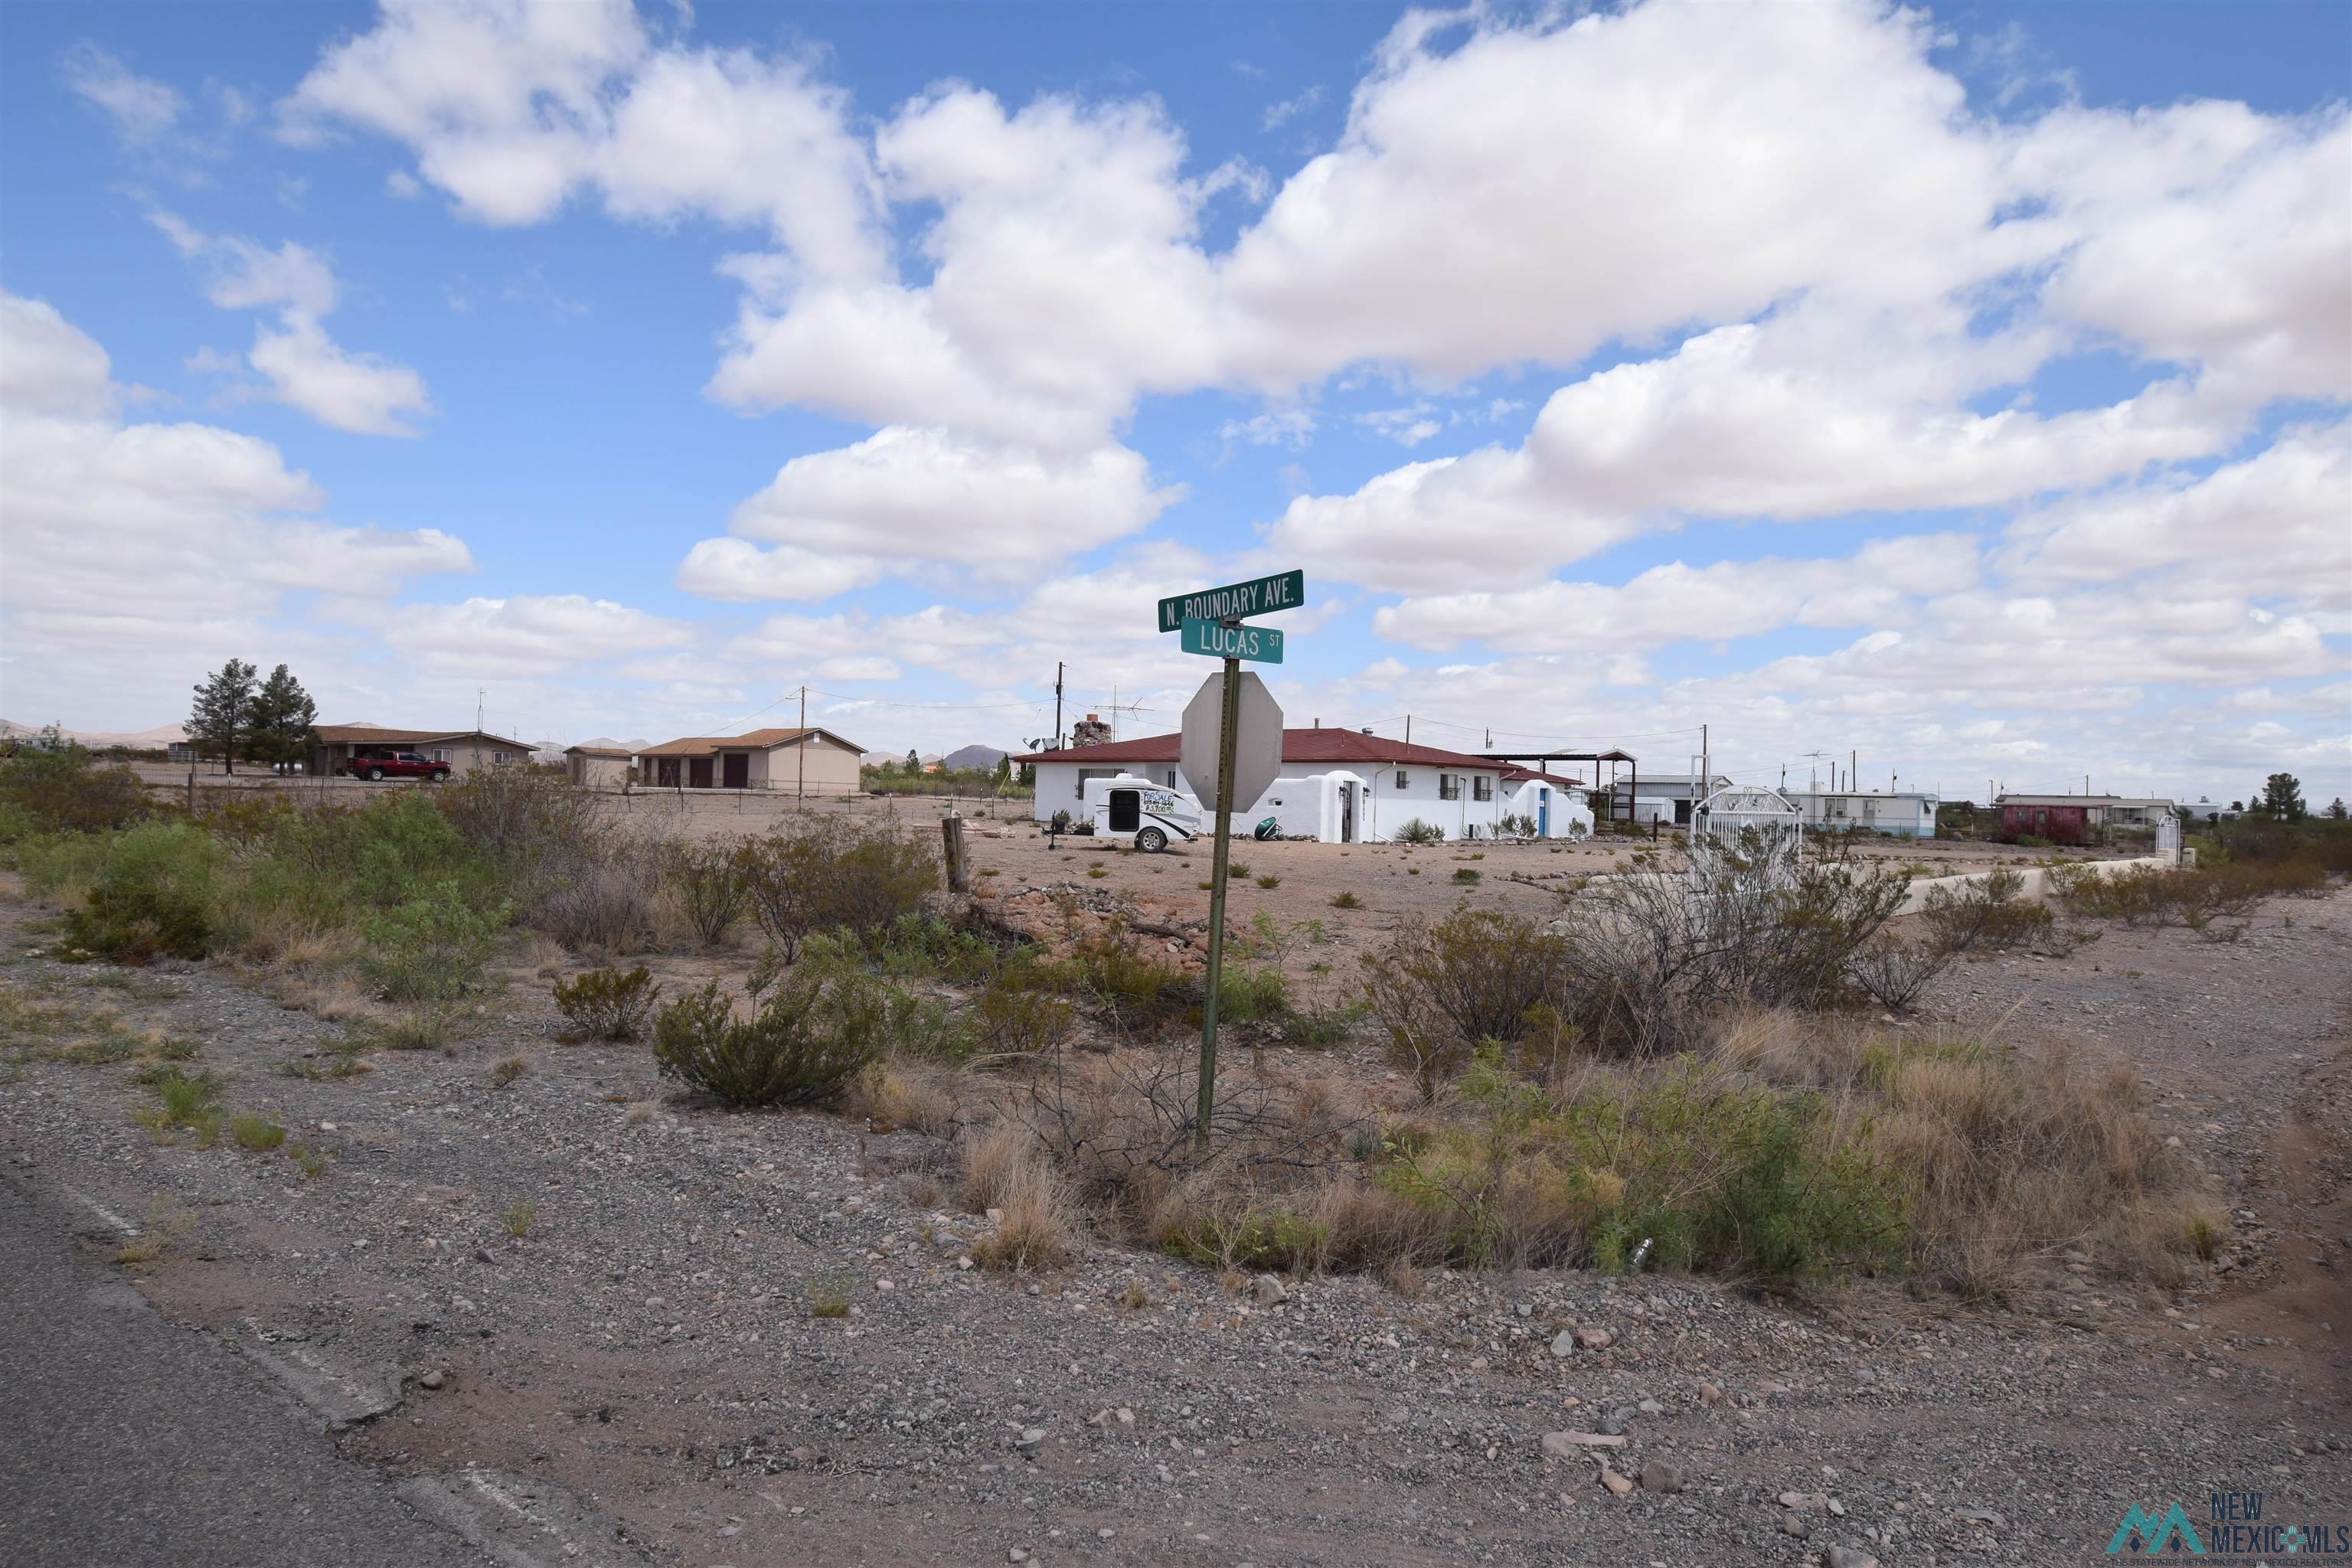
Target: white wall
(1570, 815)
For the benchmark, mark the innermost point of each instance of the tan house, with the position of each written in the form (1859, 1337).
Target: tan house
(462, 751)
(597, 767)
(801, 762)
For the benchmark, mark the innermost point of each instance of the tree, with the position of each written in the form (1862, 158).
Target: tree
(281, 720)
(2336, 811)
(2283, 798)
(1004, 769)
(914, 762)
(223, 709)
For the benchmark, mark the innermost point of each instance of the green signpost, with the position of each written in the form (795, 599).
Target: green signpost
(1236, 601)
(1210, 622)
(1218, 640)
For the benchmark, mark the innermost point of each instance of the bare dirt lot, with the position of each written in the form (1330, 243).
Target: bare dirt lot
(592, 1295)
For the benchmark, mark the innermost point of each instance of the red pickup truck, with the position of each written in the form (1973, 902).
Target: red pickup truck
(383, 762)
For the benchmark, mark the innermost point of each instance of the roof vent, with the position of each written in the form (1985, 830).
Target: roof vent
(1368, 729)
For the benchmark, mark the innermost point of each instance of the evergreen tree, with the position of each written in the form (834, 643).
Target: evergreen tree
(282, 716)
(223, 709)
(2336, 811)
(1004, 769)
(2283, 798)
(914, 762)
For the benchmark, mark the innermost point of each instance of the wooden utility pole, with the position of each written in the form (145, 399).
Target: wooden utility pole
(1219, 864)
(800, 750)
(1057, 705)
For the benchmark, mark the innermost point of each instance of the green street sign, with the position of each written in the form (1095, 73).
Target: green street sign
(1235, 601)
(1219, 640)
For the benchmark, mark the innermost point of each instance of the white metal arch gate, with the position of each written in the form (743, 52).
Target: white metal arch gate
(1743, 839)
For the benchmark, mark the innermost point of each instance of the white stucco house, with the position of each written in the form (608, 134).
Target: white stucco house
(1342, 786)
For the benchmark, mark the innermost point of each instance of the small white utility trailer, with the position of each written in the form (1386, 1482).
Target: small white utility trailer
(1152, 815)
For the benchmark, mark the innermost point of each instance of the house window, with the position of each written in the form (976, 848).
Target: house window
(440, 753)
(1482, 787)
(1085, 773)
(1171, 778)
(1449, 786)
(1404, 780)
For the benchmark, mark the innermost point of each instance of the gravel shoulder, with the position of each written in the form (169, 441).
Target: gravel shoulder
(646, 1343)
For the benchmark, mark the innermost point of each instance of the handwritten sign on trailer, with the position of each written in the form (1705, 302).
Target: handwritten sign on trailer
(1236, 601)
(1219, 640)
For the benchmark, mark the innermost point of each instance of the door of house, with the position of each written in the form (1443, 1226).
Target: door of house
(1347, 814)
(1126, 810)
(1543, 814)
(736, 770)
(697, 773)
(665, 771)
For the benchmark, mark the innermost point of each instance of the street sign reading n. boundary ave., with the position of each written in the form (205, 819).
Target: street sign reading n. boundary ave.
(1236, 601)
(1219, 640)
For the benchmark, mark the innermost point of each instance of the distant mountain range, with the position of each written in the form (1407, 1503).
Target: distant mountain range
(973, 757)
(162, 735)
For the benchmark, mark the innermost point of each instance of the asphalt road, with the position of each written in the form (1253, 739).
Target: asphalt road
(125, 1441)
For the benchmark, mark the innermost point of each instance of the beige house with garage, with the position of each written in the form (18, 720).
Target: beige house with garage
(342, 748)
(797, 761)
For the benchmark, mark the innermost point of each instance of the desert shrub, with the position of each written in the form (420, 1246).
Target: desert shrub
(709, 889)
(905, 1096)
(152, 894)
(824, 874)
(1986, 912)
(595, 895)
(1134, 982)
(256, 1131)
(922, 945)
(803, 1043)
(1416, 831)
(516, 815)
(52, 784)
(1252, 995)
(430, 948)
(1653, 957)
(1894, 971)
(1011, 1018)
(1440, 988)
(1346, 901)
(608, 1004)
(1465, 874)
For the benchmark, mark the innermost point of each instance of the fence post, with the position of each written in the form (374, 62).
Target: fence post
(958, 869)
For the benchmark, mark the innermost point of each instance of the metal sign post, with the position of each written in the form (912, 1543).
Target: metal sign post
(1218, 862)
(1244, 764)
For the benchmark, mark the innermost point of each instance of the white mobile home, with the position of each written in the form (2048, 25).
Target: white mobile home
(1904, 813)
(1364, 787)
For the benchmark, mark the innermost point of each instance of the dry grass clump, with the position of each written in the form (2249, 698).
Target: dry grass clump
(1007, 1175)
(2003, 1155)
(898, 1094)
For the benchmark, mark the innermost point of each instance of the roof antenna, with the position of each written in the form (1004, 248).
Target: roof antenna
(478, 709)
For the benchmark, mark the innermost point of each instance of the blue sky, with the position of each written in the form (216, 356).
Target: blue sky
(1965, 387)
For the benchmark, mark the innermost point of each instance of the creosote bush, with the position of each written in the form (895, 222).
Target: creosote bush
(608, 1004)
(825, 874)
(710, 888)
(805, 1043)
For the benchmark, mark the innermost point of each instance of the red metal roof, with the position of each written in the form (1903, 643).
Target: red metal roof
(1337, 747)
